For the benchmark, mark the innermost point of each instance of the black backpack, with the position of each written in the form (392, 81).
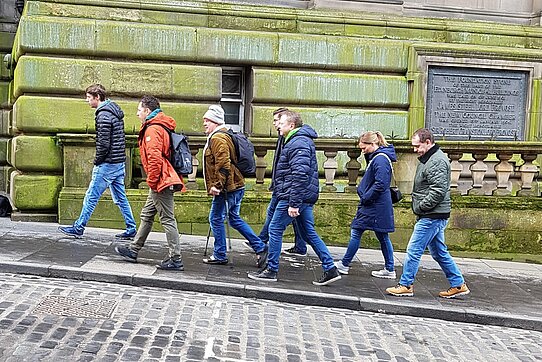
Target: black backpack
(180, 156)
(5, 206)
(244, 150)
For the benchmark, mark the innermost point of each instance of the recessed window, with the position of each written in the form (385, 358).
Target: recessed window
(233, 97)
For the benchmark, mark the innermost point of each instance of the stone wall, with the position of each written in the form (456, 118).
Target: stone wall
(344, 72)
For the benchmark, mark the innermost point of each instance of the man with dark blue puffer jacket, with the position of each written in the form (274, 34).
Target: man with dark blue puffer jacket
(109, 164)
(296, 188)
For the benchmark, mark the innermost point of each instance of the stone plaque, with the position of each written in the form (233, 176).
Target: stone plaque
(476, 104)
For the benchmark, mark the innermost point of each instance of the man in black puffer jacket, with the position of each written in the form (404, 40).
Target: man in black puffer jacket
(109, 164)
(296, 188)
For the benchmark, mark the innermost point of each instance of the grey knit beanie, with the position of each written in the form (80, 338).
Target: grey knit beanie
(215, 113)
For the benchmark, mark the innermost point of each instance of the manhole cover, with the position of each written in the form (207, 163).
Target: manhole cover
(76, 307)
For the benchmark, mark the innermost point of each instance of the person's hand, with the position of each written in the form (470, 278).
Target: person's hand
(293, 211)
(215, 191)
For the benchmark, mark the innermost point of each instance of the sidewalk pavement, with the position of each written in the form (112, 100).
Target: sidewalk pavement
(502, 293)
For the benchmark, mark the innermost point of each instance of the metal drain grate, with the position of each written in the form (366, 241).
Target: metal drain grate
(76, 307)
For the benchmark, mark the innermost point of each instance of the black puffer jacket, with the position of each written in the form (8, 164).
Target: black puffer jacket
(110, 137)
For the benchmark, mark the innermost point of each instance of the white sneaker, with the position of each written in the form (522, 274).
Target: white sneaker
(341, 268)
(386, 274)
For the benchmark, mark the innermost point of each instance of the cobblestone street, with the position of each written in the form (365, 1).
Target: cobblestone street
(45, 319)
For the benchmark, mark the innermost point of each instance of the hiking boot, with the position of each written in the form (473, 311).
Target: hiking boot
(401, 291)
(214, 261)
(455, 291)
(170, 264)
(265, 275)
(328, 277)
(126, 253)
(262, 258)
(384, 273)
(126, 235)
(294, 251)
(71, 231)
(341, 268)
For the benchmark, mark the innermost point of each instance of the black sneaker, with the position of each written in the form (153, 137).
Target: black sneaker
(170, 264)
(294, 251)
(71, 231)
(328, 277)
(126, 253)
(262, 258)
(126, 235)
(265, 275)
(213, 261)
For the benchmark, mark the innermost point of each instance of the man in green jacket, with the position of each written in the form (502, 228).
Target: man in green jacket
(431, 204)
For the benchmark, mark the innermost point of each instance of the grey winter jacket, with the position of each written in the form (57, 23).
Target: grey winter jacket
(431, 191)
(110, 137)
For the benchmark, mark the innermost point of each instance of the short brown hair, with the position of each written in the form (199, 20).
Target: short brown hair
(280, 110)
(150, 102)
(293, 117)
(97, 90)
(424, 134)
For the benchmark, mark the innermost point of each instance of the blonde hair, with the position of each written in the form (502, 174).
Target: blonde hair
(373, 137)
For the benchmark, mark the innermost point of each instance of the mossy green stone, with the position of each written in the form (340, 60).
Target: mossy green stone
(71, 76)
(145, 41)
(4, 94)
(237, 46)
(257, 23)
(337, 122)
(3, 151)
(330, 88)
(6, 40)
(37, 114)
(56, 36)
(5, 122)
(35, 192)
(36, 153)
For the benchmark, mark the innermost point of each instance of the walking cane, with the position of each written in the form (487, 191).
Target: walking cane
(207, 243)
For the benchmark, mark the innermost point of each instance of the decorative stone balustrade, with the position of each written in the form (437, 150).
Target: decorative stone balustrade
(478, 168)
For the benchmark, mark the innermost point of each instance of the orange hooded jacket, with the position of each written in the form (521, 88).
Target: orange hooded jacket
(154, 148)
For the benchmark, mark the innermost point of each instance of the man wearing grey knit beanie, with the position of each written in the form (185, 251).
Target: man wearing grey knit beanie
(226, 184)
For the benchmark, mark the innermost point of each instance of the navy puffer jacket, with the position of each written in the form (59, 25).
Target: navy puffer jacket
(375, 210)
(296, 175)
(110, 137)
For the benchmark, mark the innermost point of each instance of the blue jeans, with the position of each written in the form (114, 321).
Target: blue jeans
(299, 240)
(353, 246)
(305, 223)
(429, 233)
(217, 217)
(103, 176)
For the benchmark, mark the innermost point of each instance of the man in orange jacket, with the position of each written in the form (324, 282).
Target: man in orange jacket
(163, 181)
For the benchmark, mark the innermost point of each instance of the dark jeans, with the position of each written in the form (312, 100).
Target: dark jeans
(305, 223)
(300, 242)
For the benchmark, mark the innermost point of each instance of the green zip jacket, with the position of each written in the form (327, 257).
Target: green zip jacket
(431, 190)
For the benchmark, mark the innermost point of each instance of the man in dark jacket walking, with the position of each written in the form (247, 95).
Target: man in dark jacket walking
(163, 181)
(296, 189)
(432, 205)
(109, 164)
(300, 245)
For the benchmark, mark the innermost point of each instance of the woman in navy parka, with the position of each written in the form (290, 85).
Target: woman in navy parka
(375, 210)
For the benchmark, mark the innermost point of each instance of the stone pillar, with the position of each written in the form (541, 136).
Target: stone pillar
(503, 171)
(456, 169)
(330, 168)
(261, 166)
(528, 171)
(353, 166)
(191, 184)
(478, 171)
